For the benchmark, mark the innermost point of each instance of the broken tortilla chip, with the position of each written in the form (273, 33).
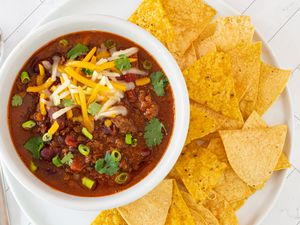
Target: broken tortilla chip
(189, 18)
(210, 83)
(199, 212)
(245, 61)
(154, 205)
(179, 213)
(187, 59)
(258, 149)
(109, 217)
(200, 170)
(221, 209)
(151, 16)
(272, 82)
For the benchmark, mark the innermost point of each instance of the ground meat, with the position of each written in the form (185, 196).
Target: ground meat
(124, 124)
(147, 105)
(78, 163)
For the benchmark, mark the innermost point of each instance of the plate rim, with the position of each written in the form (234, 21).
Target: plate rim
(291, 121)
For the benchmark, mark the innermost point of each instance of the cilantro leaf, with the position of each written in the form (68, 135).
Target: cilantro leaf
(153, 135)
(16, 100)
(122, 63)
(77, 50)
(68, 102)
(94, 108)
(107, 165)
(68, 159)
(159, 81)
(34, 145)
(87, 71)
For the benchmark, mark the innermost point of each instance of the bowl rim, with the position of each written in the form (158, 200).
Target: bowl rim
(71, 24)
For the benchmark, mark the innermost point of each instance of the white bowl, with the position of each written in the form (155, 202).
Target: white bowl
(66, 25)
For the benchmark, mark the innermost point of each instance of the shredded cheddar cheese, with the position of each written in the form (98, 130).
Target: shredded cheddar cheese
(86, 120)
(53, 128)
(42, 105)
(41, 87)
(41, 76)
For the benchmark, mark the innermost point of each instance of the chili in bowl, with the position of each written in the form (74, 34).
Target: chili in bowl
(99, 110)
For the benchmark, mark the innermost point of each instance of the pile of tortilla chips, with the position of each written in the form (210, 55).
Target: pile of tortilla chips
(230, 151)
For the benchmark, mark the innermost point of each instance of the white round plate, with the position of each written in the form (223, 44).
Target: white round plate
(258, 205)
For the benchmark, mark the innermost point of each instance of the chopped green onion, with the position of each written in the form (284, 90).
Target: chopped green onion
(28, 124)
(16, 100)
(116, 155)
(33, 167)
(87, 182)
(121, 178)
(134, 142)
(56, 161)
(86, 133)
(68, 159)
(147, 64)
(94, 108)
(83, 149)
(68, 102)
(128, 139)
(63, 42)
(47, 137)
(25, 77)
(110, 43)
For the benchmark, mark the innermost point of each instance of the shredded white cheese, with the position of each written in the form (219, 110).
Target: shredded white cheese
(128, 52)
(61, 112)
(116, 110)
(56, 60)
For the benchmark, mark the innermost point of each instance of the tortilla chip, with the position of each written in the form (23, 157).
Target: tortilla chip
(151, 16)
(211, 84)
(153, 206)
(230, 186)
(179, 213)
(221, 209)
(187, 59)
(200, 170)
(189, 18)
(255, 121)
(271, 84)
(237, 205)
(202, 48)
(202, 122)
(258, 149)
(109, 217)
(232, 31)
(231, 124)
(199, 212)
(283, 163)
(245, 61)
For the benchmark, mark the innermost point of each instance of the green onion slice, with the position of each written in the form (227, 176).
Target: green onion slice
(29, 124)
(147, 64)
(110, 43)
(121, 178)
(134, 142)
(87, 182)
(86, 133)
(128, 139)
(25, 77)
(33, 167)
(63, 42)
(83, 149)
(56, 161)
(116, 155)
(47, 137)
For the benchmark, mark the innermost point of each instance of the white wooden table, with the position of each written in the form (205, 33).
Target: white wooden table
(279, 23)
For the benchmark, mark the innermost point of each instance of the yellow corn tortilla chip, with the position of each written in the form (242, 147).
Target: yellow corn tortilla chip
(153, 206)
(202, 122)
(237, 205)
(230, 186)
(254, 153)
(245, 61)
(179, 213)
(187, 59)
(210, 83)
(204, 48)
(231, 124)
(271, 84)
(199, 212)
(232, 31)
(221, 209)
(151, 16)
(255, 121)
(189, 18)
(200, 170)
(109, 217)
